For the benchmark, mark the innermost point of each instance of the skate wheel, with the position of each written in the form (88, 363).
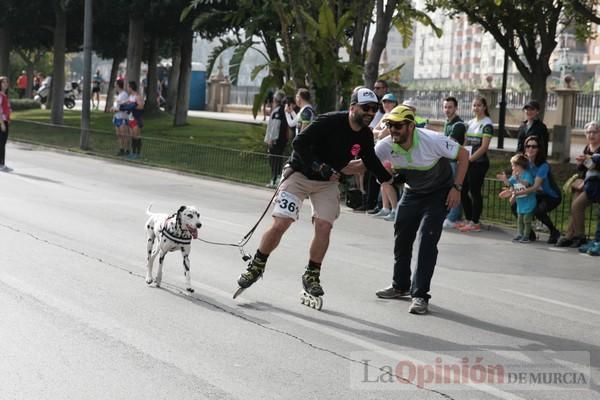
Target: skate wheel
(238, 292)
(313, 303)
(319, 303)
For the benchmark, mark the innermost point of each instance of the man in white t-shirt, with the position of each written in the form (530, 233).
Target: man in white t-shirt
(422, 159)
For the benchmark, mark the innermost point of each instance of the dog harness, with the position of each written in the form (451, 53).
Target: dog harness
(174, 231)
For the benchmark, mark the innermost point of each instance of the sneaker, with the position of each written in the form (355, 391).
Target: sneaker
(255, 270)
(553, 238)
(532, 236)
(418, 305)
(374, 211)
(384, 212)
(579, 241)
(594, 250)
(460, 224)
(517, 238)
(584, 248)
(392, 293)
(312, 283)
(449, 224)
(525, 240)
(564, 242)
(391, 216)
(470, 227)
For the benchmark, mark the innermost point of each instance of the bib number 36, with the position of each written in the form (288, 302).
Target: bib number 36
(287, 205)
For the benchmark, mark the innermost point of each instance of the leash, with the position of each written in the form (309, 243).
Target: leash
(244, 241)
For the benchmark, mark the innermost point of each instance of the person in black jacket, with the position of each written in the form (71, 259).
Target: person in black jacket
(532, 126)
(333, 144)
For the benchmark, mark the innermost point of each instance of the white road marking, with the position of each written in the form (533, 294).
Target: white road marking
(551, 301)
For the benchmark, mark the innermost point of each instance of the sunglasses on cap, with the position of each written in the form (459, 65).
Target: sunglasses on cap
(396, 125)
(369, 107)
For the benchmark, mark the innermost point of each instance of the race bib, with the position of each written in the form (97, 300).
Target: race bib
(287, 205)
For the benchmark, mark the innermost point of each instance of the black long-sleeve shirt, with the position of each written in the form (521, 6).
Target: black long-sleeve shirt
(329, 139)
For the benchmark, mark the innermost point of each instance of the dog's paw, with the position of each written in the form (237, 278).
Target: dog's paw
(190, 290)
(149, 281)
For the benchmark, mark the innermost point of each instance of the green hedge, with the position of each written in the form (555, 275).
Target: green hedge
(24, 104)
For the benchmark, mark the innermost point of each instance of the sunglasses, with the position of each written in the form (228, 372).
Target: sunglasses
(396, 125)
(531, 146)
(369, 107)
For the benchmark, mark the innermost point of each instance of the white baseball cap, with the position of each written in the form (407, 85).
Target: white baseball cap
(363, 96)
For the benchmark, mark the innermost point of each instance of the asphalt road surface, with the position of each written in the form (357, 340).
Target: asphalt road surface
(79, 322)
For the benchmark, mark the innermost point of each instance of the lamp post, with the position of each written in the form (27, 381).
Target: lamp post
(502, 113)
(84, 138)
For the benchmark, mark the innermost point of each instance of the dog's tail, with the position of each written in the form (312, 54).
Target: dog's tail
(148, 209)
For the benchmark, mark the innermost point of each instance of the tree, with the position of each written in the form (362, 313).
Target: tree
(525, 29)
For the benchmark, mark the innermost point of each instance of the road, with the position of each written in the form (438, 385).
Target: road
(79, 322)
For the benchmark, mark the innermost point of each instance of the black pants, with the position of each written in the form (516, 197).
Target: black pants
(422, 214)
(3, 139)
(276, 160)
(544, 205)
(471, 196)
(372, 188)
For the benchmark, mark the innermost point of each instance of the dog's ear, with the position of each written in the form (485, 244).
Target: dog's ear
(180, 209)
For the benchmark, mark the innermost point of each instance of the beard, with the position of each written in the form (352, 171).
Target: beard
(361, 120)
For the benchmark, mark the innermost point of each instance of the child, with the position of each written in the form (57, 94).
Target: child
(520, 180)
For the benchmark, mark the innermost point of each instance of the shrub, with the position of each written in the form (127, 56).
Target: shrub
(24, 104)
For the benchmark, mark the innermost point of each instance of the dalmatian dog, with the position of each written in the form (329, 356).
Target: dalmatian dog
(171, 232)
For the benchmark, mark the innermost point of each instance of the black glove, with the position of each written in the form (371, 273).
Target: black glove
(324, 170)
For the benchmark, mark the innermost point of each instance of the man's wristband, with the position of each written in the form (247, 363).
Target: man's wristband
(457, 186)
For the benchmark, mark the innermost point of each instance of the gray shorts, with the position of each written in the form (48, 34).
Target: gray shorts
(324, 198)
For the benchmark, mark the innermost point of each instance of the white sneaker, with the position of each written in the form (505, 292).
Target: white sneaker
(384, 212)
(391, 216)
(418, 305)
(448, 224)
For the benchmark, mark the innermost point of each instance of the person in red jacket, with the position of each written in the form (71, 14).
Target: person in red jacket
(4, 121)
(22, 84)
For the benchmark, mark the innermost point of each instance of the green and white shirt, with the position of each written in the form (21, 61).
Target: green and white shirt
(425, 167)
(476, 131)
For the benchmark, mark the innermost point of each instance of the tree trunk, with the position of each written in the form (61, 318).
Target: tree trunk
(185, 76)
(173, 83)
(135, 48)
(384, 19)
(539, 91)
(151, 105)
(110, 93)
(58, 75)
(4, 50)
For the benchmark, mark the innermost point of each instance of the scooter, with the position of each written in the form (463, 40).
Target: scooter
(42, 94)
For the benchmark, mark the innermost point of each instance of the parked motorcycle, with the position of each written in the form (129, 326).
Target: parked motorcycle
(42, 94)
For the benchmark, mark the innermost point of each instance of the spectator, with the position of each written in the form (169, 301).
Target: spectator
(532, 126)
(589, 162)
(267, 105)
(593, 246)
(479, 134)
(96, 85)
(455, 129)
(22, 84)
(5, 111)
(37, 81)
(120, 119)
(305, 116)
(421, 156)
(136, 122)
(276, 138)
(519, 181)
(420, 121)
(388, 192)
(380, 89)
(547, 193)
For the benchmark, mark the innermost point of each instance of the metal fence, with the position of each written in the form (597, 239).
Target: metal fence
(243, 94)
(243, 166)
